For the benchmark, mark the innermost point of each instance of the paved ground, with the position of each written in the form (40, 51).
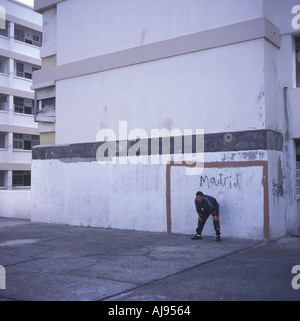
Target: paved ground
(55, 262)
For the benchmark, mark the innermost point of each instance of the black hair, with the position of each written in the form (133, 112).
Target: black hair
(199, 194)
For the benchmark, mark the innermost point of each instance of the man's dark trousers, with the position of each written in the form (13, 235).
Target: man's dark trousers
(204, 218)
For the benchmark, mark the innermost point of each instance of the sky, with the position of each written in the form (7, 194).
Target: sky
(29, 2)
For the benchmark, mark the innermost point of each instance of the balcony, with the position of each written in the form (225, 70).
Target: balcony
(4, 117)
(23, 120)
(21, 83)
(28, 36)
(4, 80)
(46, 114)
(21, 156)
(4, 71)
(26, 49)
(4, 43)
(4, 155)
(45, 108)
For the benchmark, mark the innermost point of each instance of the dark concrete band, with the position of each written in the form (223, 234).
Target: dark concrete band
(218, 142)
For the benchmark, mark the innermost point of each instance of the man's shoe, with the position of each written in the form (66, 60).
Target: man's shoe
(218, 238)
(197, 237)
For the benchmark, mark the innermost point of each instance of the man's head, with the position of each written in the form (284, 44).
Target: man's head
(199, 196)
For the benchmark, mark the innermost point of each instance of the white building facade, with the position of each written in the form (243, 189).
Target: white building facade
(154, 100)
(20, 42)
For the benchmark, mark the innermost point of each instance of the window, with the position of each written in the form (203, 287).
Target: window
(2, 179)
(48, 103)
(36, 38)
(35, 140)
(2, 140)
(27, 145)
(20, 69)
(21, 178)
(28, 75)
(23, 106)
(25, 70)
(29, 36)
(19, 105)
(25, 142)
(18, 141)
(19, 34)
(3, 65)
(4, 32)
(3, 102)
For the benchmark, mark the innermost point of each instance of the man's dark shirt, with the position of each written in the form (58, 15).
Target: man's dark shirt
(208, 205)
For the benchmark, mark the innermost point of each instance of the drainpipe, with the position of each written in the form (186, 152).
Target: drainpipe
(286, 114)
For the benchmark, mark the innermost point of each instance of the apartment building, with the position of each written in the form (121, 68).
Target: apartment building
(119, 92)
(20, 43)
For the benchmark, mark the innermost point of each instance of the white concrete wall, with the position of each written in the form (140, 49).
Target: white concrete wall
(135, 196)
(117, 26)
(184, 92)
(15, 119)
(15, 203)
(27, 49)
(272, 88)
(239, 193)
(293, 98)
(49, 33)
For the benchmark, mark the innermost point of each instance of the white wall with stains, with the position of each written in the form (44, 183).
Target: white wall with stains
(16, 204)
(110, 196)
(216, 90)
(117, 26)
(135, 196)
(239, 191)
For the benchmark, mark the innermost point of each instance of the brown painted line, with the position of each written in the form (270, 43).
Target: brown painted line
(263, 164)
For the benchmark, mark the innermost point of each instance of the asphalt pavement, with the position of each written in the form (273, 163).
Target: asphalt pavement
(48, 262)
